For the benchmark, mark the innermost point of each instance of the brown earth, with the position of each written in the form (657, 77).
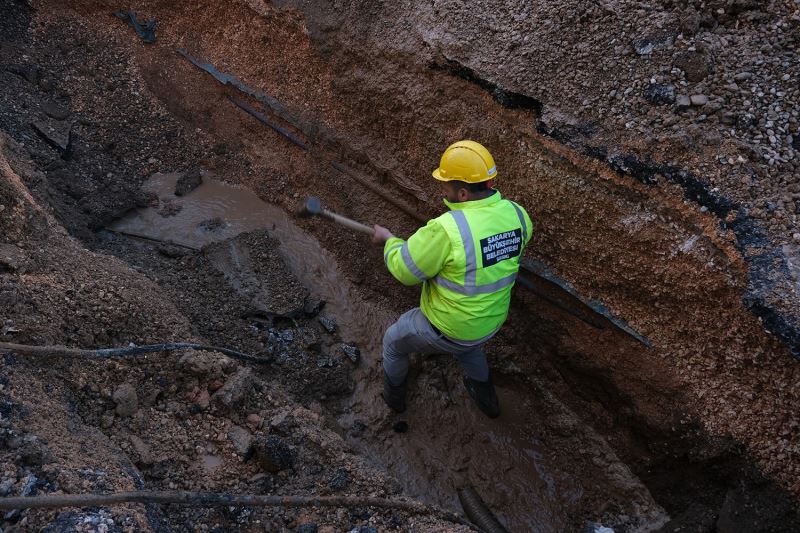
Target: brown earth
(700, 429)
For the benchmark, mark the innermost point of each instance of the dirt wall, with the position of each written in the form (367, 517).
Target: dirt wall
(669, 266)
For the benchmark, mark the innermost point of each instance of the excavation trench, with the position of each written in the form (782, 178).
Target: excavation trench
(535, 494)
(595, 425)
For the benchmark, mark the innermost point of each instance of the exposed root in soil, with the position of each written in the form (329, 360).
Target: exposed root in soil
(102, 353)
(205, 499)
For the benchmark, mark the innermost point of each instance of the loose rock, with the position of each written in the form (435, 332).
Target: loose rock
(241, 439)
(254, 421)
(126, 399)
(188, 182)
(683, 102)
(143, 450)
(660, 94)
(327, 323)
(698, 99)
(234, 389)
(352, 352)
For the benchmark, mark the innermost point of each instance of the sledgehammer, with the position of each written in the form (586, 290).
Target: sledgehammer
(314, 207)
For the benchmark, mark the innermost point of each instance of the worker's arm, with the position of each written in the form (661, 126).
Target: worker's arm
(419, 258)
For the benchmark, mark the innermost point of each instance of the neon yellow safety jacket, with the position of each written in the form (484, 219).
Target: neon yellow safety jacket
(467, 260)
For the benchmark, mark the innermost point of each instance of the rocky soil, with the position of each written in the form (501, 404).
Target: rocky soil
(179, 420)
(585, 108)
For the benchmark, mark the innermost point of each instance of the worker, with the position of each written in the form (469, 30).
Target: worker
(467, 261)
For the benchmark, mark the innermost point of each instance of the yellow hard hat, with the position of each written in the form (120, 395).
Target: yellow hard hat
(466, 161)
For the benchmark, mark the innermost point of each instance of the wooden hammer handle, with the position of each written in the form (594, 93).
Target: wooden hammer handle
(344, 221)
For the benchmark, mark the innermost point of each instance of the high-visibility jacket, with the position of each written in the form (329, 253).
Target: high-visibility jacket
(467, 260)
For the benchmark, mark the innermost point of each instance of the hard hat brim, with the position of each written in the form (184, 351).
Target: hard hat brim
(438, 176)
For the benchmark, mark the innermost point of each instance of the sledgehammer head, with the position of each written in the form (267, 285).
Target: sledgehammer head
(313, 207)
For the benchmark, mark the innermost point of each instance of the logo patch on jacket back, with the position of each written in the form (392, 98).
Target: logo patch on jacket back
(501, 247)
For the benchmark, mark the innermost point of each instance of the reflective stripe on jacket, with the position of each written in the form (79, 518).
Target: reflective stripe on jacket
(467, 260)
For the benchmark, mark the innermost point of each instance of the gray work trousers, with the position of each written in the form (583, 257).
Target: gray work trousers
(413, 333)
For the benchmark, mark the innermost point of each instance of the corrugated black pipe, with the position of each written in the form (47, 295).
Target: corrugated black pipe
(478, 513)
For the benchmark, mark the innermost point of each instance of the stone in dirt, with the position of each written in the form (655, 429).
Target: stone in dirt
(272, 453)
(142, 450)
(203, 399)
(689, 23)
(189, 181)
(212, 224)
(657, 93)
(254, 421)
(126, 399)
(594, 527)
(9, 329)
(234, 390)
(205, 364)
(327, 323)
(683, 102)
(169, 208)
(58, 136)
(145, 198)
(651, 43)
(241, 439)
(352, 352)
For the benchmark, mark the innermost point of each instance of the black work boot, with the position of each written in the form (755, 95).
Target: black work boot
(484, 395)
(394, 395)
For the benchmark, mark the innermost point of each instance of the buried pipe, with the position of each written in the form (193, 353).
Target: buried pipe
(154, 240)
(102, 353)
(54, 501)
(264, 120)
(281, 111)
(477, 512)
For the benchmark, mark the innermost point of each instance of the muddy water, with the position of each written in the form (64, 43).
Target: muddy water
(449, 442)
(217, 211)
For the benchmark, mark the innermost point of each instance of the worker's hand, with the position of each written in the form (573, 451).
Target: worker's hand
(381, 235)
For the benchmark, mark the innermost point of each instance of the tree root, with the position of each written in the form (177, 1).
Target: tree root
(128, 351)
(52, 501)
